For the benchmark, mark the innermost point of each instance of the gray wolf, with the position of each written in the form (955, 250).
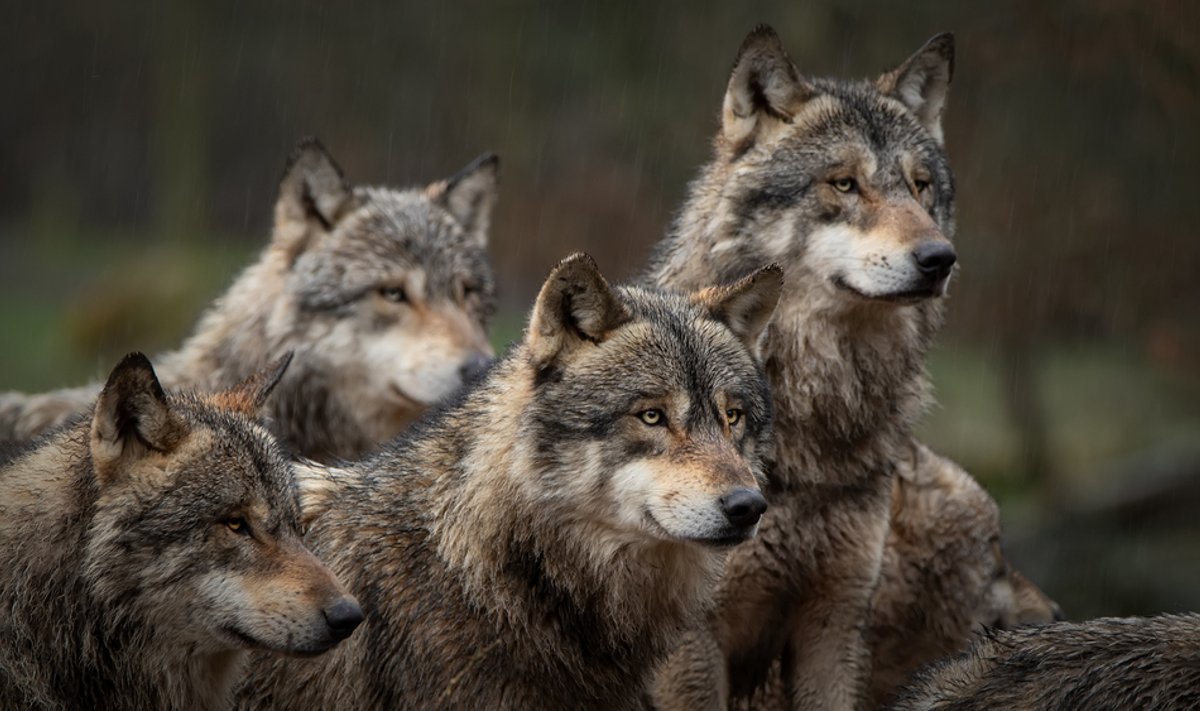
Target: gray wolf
(846, 184)
(384, 295)
(148, 547)
(1108, 663)
(542, 543)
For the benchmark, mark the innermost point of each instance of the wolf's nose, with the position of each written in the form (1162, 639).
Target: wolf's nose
(743, 507)
(343, 617)
(934, 258)
(475, 366)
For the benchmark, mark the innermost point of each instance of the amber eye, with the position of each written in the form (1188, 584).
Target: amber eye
(395, 294)
(921, 186)
(733, 417)
(845, 185)
(653, 417)
(237, 524)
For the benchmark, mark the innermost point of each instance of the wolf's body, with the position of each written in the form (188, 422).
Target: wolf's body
(1108, 663)
(125, 584)
(383, 295)
(543, 543)
(846, 184)
(944, 577)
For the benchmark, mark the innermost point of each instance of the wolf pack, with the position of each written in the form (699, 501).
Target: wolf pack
(698, 490)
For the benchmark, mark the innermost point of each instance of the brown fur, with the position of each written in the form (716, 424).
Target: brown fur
(543, 543)
(794, 180)
(1110, 663)
(126, 585)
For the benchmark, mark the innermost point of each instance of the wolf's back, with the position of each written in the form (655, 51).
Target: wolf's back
(24, 417)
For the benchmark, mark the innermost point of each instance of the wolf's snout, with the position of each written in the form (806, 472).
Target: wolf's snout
(474, 367)
(343, 617)
(935, 258)
(743, 507)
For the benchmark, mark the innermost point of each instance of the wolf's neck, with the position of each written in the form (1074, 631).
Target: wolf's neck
(848, 382)
(238, 336)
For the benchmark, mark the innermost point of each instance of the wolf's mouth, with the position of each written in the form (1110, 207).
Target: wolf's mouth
(910, 296)
(406, 400)
(726, 541)
(253, 643)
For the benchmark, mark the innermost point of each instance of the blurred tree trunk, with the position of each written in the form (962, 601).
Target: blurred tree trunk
(178, 140)
(1018, 371)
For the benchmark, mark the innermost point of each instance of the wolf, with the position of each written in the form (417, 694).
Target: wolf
(384, 296)
(847, 185)
(146, 549)
(1108, 663)
(542, 543)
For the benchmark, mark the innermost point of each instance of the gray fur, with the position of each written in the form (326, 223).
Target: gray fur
(124, 586)
(365, 367)
(507, 551)
(1109, 663)
(844, 355)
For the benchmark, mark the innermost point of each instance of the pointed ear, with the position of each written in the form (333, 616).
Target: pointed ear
(746, 306)
(922, 82)
(132, 418)
(470, 194)
(575, 305)
(312, 196)
(765, 90)
(249, 396)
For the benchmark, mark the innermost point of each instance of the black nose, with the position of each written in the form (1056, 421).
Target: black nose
(743, 507)
(343, 617)
(934, 258)
(474, 367)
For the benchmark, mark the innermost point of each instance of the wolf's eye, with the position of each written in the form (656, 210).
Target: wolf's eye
(653, 417)
(845, 185)
(395, 294)
(733, 417)
(237, 524)
(921, 186)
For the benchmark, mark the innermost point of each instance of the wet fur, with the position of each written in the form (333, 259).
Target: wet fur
(1108, 663)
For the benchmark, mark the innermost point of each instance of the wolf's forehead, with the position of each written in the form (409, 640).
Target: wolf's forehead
(682, 349)
(855, 119)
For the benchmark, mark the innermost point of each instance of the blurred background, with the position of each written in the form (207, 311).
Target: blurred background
(141, 145)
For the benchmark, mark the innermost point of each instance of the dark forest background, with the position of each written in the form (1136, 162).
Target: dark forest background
(140, 145)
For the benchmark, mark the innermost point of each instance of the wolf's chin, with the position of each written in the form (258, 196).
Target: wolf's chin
(249, 642)
(903, 298)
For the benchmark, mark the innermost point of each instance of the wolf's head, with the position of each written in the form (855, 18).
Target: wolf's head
(196, 524)
(845, 184)
(649, 407)
(388, 295)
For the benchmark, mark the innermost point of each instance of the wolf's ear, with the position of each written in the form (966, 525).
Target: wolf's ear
(470, 194)
(765, 90)
(249, 396)
(745, 306)
(132, 417)
(922, 82)
(575, 305)
(312, 194)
